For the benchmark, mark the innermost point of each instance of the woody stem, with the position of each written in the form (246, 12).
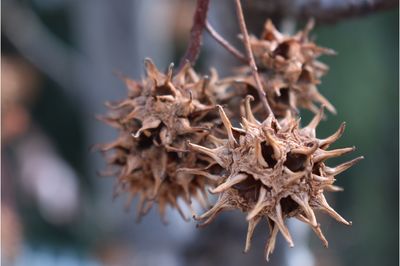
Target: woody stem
(250, 58)
(195, 42)
(224, 43)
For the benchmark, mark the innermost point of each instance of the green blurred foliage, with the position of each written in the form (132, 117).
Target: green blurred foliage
(363, 86)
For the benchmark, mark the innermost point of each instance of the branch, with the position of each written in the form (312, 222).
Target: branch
(195, 42)
(224, 43)
(334, 10)
(251, 62)
(322, 10)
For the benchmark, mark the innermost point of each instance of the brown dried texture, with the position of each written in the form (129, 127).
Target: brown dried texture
(274, 170)
(289, 71)
(150, 155)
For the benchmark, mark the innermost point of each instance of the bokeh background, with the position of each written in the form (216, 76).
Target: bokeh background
(58, 59)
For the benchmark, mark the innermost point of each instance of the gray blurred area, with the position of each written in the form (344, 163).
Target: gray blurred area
(62, 55)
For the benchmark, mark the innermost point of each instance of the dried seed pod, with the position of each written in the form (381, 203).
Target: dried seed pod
(150, 155)
(289, 71)
(274, 170)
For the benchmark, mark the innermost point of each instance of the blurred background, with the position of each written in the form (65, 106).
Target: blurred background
(57, 64)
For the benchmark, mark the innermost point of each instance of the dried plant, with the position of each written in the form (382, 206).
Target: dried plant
(288, 69)
(274, 170)
(160, 114)
(172, 143)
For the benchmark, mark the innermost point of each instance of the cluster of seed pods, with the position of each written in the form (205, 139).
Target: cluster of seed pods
(274, 170)
(176, 140)
(288, 69)
(155, 122)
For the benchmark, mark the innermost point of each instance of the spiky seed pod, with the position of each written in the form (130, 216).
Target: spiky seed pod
(150, 155)
(289, 71)
(274, 170)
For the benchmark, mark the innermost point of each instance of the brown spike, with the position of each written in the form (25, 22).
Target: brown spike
(322, 178)
(245, 124)
(216, 141)
(210, 215)
(190, 98)
(184, 182)
(259, 205)
(333, 188)
(201, 199)
(258, 153)
(324, 155)
(231, 181)
(158, 169)
(278, 219)
(204, 194)
(316, 229)
(342, 167)
(270, 246)
(165, 98)
(175, 204)
(306, 150)
(118, 105)
(162, 210)
(324, 143)
(307, 29)
(310, 128)
(293, 176)
(324, 101)
(248, 112)
(199, 172)
(206, 80)
(275, 145)
(174, 90)
(184, 127)
(250, 231)
(318, 232)
(169, 73)
(303, 219)
(169, 148)
(139, 207)
(193, 75)
(132, 163)
(147, 207)
(133, 114)
(303, 203)
(120, 141)
(292, 102)
(108, 172)
(209, 152)
(113, 122)
(270, 32)
(129, 200)
(328, 209)
(180, 76)
(149, 123)
(156, 187)
(151, 70)
(192, 211)
(133, 86)
(228, 125)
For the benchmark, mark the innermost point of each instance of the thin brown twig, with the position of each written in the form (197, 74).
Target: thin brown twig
(251, 62)
(224, 43)
(324, 11)
(195, 42)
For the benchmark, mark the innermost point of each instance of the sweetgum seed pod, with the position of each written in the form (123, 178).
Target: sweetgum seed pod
(274, 170)
(288, 69)
(155, 121)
